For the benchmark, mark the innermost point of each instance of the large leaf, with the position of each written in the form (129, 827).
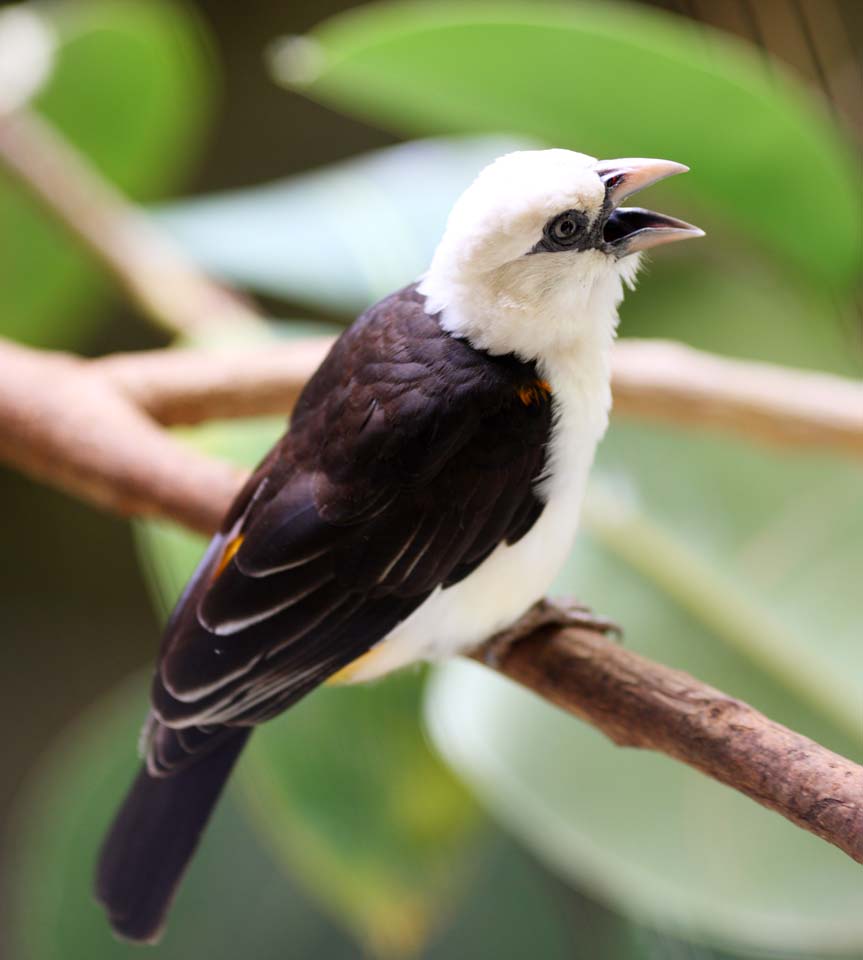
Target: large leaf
(340, 237)
(737, 307)
(609, 79)
(762, 547)
(655, 841)
(347, 791)
(130, 91)
(738, 566)
(234, 902)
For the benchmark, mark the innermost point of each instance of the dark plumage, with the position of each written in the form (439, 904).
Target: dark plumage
(410, 457)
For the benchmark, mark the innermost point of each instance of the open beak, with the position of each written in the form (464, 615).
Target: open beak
(630, 229)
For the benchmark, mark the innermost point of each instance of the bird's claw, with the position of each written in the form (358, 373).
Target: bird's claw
(576, 614)
(565, 613)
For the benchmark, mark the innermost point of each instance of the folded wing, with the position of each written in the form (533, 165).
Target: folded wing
(410, 458)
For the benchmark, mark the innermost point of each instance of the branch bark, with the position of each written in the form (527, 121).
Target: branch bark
(652, 379)
(66, 427)
(638, 703)
(83, 426)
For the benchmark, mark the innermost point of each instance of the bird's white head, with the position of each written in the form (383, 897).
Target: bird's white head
(537, 250)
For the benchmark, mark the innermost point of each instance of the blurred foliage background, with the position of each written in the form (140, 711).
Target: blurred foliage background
(449, 814)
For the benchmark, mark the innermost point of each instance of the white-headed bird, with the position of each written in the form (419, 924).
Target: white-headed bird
(425, 495)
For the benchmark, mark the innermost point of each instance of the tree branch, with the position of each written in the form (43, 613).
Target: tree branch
(638, 703)
(71, 429)
(666, 381)
(77, 424)
(652, 380)
(188, 386)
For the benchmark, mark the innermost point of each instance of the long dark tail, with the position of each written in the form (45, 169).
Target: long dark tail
(153, 838)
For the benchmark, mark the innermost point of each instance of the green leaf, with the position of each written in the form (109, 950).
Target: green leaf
(340, 237)
(652, 839)
(130, 90)
(741, 308)
(347, 791)
(234, 902)
(762, 547)
(512, 911)
(611, 80)
(736, 565)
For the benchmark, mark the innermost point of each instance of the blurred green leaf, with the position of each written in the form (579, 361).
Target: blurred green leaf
(130, 90)
(736, 307)
(762, 547)
(610, 79)
(235, 902)
(346, 789)
(340, 237)
(657, 842)
(739, 567)
(513, 911)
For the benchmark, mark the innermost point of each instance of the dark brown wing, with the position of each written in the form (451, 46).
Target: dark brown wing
(410, 457)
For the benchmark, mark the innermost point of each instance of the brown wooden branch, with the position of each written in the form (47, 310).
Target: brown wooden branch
(653, 380)
(77, 424)
(187, 386)
(638, 703)
(666, 381)
(66, 427)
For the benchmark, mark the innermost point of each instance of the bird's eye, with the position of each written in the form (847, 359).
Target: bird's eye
(566, 228)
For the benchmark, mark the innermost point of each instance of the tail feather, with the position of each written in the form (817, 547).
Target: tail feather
(153, 838)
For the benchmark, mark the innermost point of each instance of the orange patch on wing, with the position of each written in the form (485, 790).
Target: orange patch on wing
(227, 555)
(534, 393)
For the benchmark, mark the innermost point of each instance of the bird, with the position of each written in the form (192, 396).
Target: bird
(425, 494)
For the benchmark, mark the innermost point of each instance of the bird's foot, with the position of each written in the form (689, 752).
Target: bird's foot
(575, 614)
(563, 613)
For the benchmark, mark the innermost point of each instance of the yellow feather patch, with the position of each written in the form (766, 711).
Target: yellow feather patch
(227, 555)
(346, 674)
(534, 393)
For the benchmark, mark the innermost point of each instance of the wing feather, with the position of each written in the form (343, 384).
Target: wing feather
(409, 459)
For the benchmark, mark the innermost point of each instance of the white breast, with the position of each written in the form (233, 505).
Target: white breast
(513, 577)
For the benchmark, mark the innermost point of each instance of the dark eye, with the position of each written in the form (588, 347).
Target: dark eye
(563, 228)
(566, 228)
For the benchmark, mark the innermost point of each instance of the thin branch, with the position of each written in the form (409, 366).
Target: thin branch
(62, 425)
(653, 379)
(153, 271)
(666, 381)
(66, 421)
(638, 703)
(187, 386)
